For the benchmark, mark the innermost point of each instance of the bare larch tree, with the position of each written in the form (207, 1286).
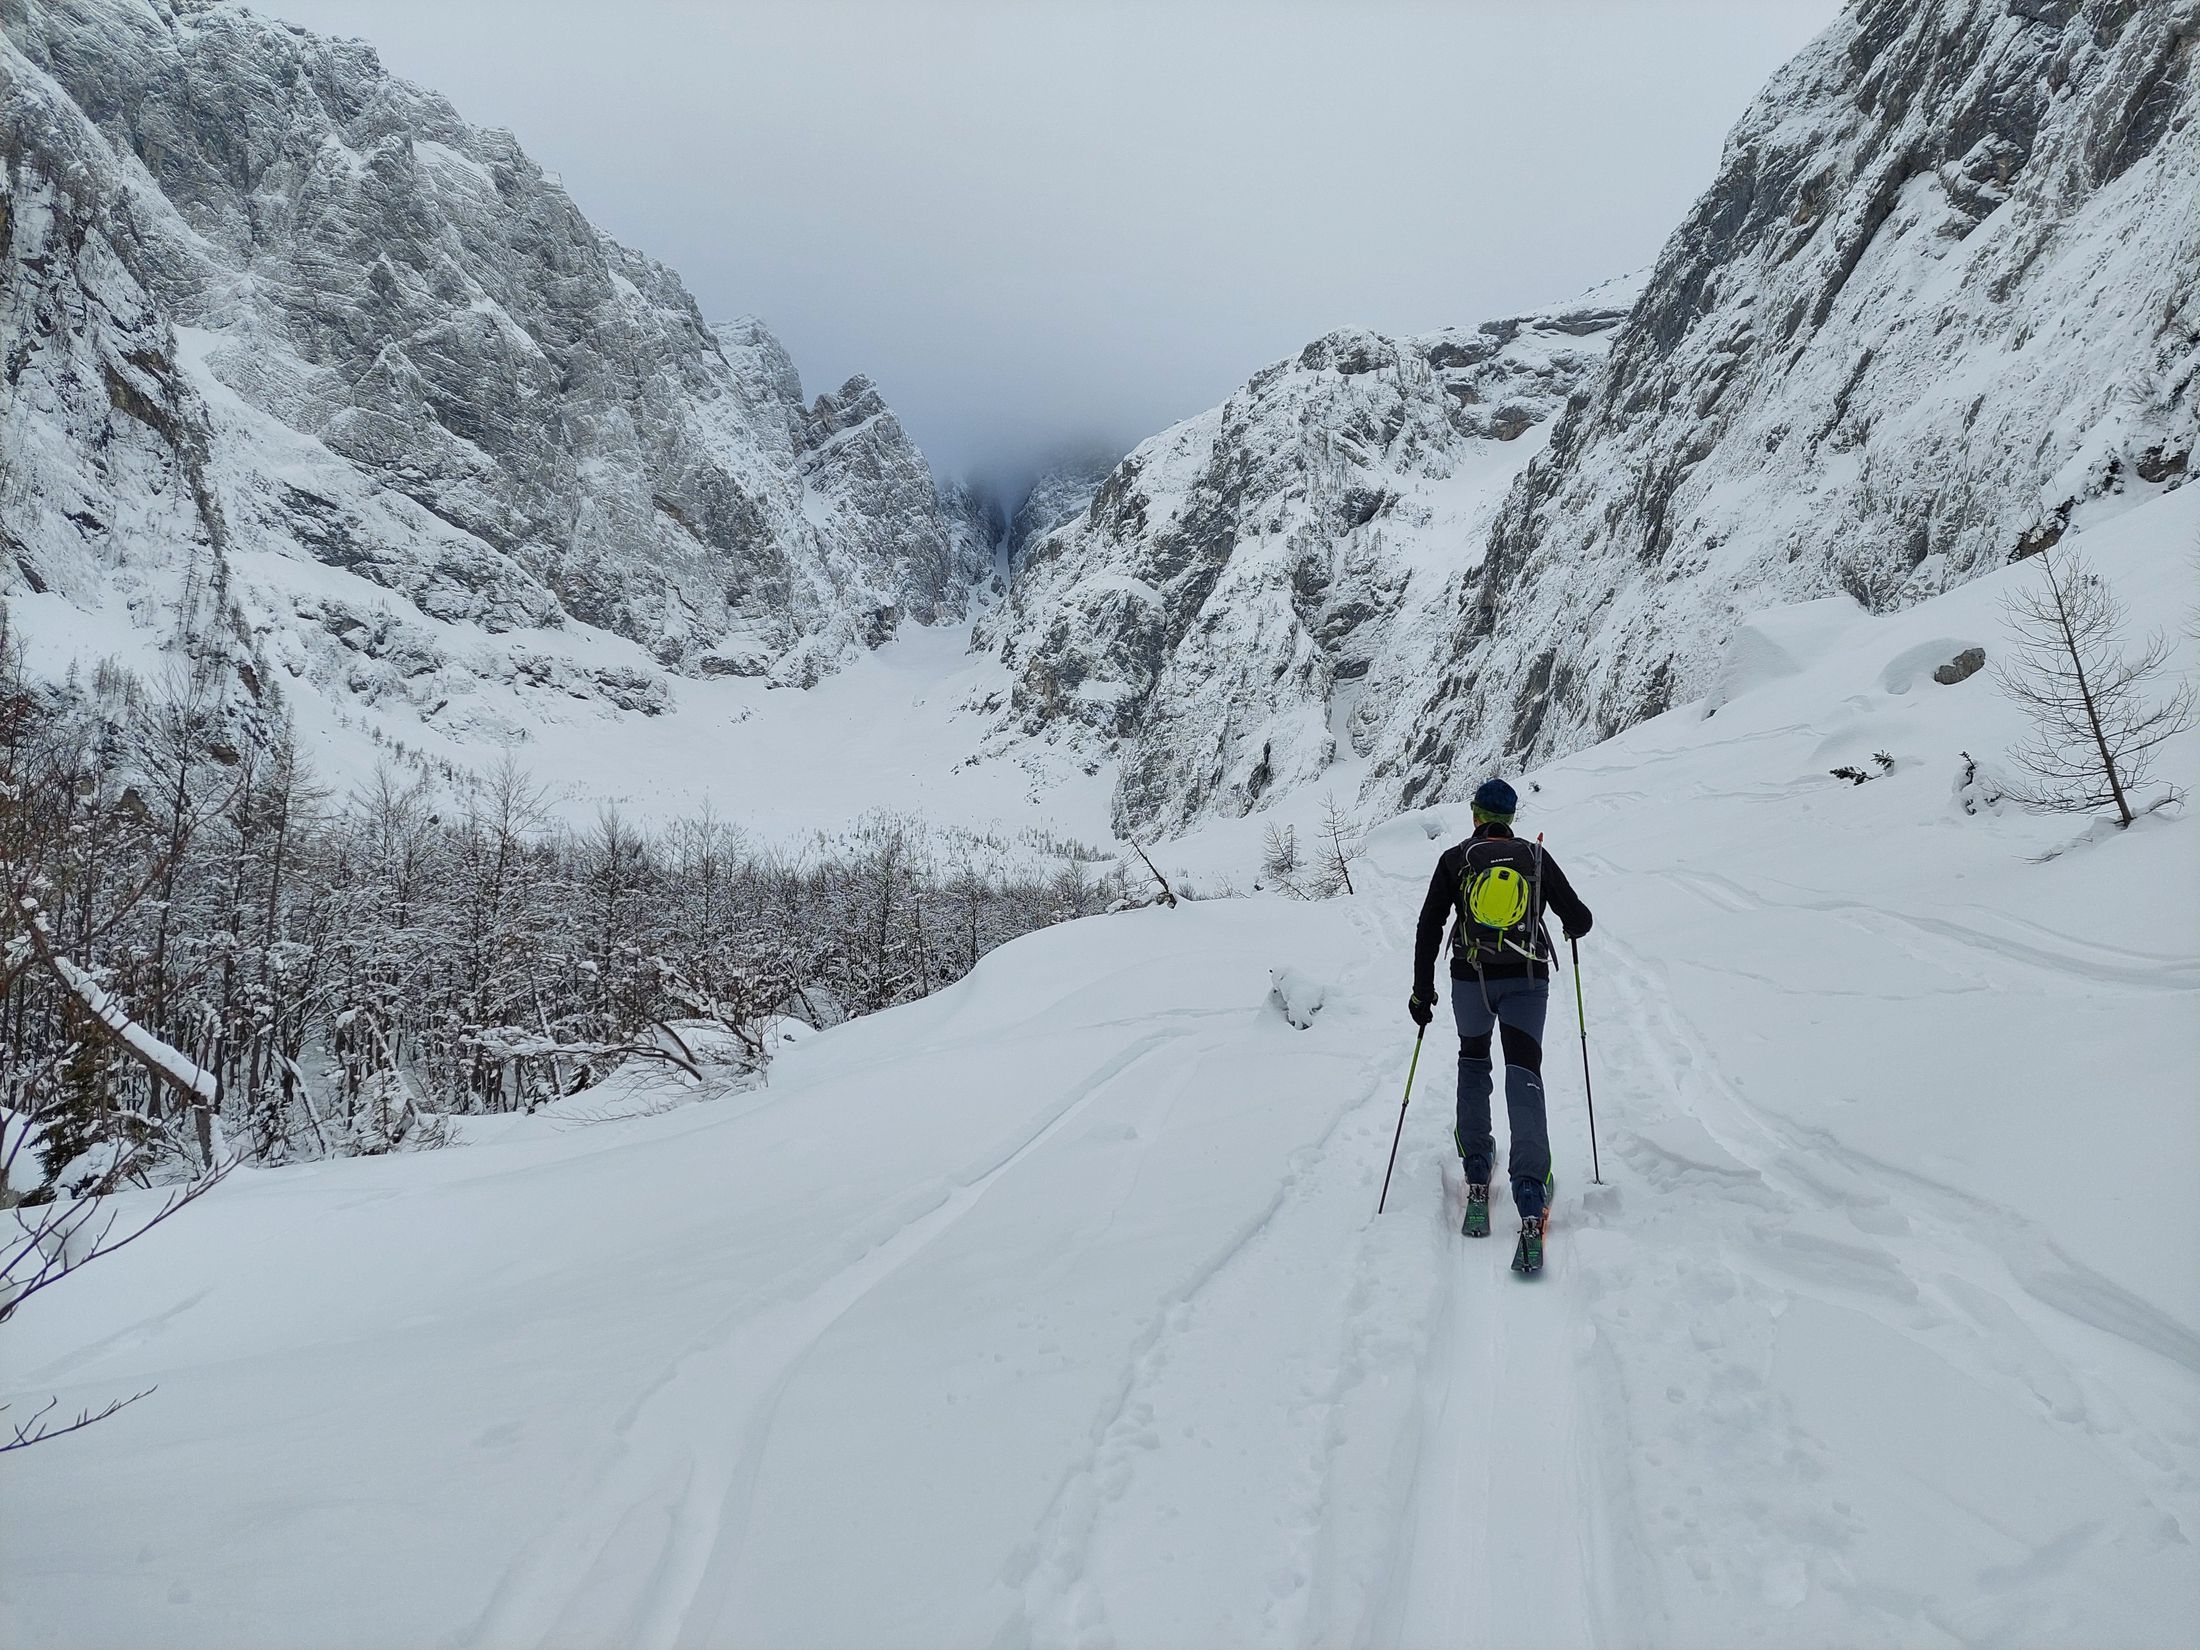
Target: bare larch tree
(2099, 707)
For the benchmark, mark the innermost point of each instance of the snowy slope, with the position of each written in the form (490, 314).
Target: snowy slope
(1053, 1311)
(890, 730)
(1943, 297)
(310, 374)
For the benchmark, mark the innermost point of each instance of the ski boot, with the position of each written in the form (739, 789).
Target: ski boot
(1478, 1212)
(1528, 1252)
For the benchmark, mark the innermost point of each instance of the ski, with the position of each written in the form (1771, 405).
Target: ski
(1477, 1223)
(1528, 1251)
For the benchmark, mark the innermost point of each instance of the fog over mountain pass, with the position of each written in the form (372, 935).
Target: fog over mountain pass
(1038, 227)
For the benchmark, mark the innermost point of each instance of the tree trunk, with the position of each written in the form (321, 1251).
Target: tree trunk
(2085, 692)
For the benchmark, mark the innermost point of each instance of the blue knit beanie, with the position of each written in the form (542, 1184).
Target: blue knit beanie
(1496, 800)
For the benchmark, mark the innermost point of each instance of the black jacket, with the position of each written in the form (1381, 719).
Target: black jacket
(1443, 902)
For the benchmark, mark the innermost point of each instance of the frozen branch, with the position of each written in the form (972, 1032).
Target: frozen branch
(35, 1431)
(1168, 894)
(167, 1064)
(50, 1239)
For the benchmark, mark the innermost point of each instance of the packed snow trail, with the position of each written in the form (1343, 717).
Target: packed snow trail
(1053, 1311)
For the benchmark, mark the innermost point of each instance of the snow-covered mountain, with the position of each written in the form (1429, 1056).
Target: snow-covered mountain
(348, 391)
(303, 367)
(1942, 299)
(1247, 590)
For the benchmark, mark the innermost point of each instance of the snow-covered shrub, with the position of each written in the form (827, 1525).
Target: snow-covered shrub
(1298, 997)
(331, 974)
(1976, 790)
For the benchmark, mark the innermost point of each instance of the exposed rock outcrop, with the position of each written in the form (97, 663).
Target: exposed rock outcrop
(1942, 299)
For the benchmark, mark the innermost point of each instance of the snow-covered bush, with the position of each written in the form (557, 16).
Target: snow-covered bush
(333, 974)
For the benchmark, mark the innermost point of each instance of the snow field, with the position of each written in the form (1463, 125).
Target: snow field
(1053, 1310)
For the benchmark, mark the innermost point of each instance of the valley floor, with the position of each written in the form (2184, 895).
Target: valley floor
(1054, 1310)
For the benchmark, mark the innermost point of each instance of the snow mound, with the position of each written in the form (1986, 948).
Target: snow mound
(1296, 997)
(1778, 643)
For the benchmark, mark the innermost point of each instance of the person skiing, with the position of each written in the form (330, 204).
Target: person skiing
(1497, 886)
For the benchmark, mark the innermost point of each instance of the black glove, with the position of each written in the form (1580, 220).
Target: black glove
(1421, 1009)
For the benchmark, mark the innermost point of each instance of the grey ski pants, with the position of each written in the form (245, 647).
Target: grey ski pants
(1516, 1007)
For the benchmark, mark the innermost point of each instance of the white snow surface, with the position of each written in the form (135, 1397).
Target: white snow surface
(1054, 1310)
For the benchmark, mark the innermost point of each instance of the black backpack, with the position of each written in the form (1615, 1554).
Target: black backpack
(1500, 903)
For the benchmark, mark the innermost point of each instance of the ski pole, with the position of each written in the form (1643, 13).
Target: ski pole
(1581, 1018)
(1411, 1067)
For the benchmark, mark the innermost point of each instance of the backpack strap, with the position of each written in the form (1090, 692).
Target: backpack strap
(1536, 934)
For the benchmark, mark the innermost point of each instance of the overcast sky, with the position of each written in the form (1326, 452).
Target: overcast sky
(1037, 222)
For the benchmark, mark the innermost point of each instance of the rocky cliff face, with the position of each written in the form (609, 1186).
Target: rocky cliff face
(1942, 300)
(287, 337)
(978, 526)
(1062, 491)
(1244, 593)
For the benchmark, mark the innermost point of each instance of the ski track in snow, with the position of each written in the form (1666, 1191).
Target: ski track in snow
(1099, 1498)
(1487, 1550)
(1753, 1214)
(2057, 954)
(678, 1461)
(1061, 1605)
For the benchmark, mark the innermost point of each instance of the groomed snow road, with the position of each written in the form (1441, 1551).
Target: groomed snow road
(1054, 1311)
